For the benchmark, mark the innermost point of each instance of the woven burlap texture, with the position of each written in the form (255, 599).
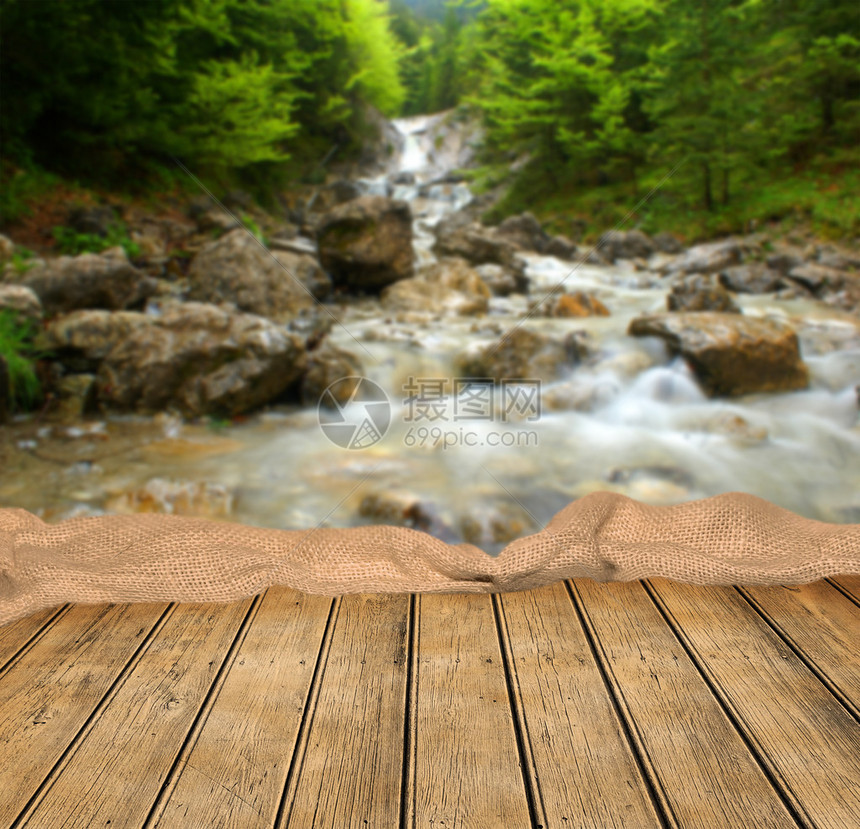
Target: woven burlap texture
(734, 538)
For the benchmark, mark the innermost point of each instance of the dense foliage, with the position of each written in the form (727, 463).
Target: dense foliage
(222, 83)
(603, 91)
(600, 95)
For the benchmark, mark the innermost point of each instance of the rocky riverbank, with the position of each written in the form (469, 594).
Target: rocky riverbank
(210, 320)
(636, 338)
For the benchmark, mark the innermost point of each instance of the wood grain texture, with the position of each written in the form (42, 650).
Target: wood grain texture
(808, 740)
(48, 695)
(18, 634)
(351, 771)
(117, 770)
(823, 627)
(235, 773)
(586, 771)
(850, 584)
(704, 772)
(466, 764)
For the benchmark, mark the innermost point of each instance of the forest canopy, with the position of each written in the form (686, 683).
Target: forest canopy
(229, 83)
(594, 93)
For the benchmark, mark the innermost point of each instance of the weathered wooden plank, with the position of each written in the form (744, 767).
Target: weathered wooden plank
(810, 743)
(48, 695)
(700, 766)
(114, 775)
(586, 771)
(465, 766)
(823, 626)
(16, 635)
(850, 584)
(234, 775)
(351, 769)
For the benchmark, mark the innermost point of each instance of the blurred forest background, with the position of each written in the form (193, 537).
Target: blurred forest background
(759, 100)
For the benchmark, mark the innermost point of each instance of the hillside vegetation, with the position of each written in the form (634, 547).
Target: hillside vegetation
(698, 116)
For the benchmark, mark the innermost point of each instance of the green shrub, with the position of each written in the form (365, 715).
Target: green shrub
(70, 242)
(21, 260)
(16, 350)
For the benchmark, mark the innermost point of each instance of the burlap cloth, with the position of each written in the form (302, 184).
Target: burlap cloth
(733, 538)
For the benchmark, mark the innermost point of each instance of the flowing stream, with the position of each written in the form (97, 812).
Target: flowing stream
(648, 430)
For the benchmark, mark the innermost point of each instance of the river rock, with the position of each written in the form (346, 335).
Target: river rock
(236, 268)
(105, 280)
(625, 244)
(200, 359)
(448, 286)
(521, 354)
(817, 278)
(199, 499)
(22, 300)
(217, 219)
(473, 242)
(752, 278)
(667, 243)
(785, 258)
(707, 258)
(525, 232)
(841, 260)
(700, 292)
(333, 194)
(561, 248)
(731, 354)
(83, 338)
(504, 281)
(577, 304)
(366, 243)
(326, 365)
(306, 269)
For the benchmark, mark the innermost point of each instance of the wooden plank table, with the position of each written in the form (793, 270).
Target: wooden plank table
(644, 704)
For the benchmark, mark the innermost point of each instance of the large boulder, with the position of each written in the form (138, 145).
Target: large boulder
(449, 286)
(305, 268)
(366, 243)
(667, 243)
(326, 365)
(519, 354)
(561, 248)
(753, 278)
(785, 258)
(22, 300)
(201, 359)
(817, 278)
(707, 258)
(474, 243)
(105, 280)
(237, 269)
(629, 244)
(82, 339)
(700, 292)
(525, 232)
(731, 354)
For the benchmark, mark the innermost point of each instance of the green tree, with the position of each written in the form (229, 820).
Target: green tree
(704, 110)
(557, 81)
(226, 83)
